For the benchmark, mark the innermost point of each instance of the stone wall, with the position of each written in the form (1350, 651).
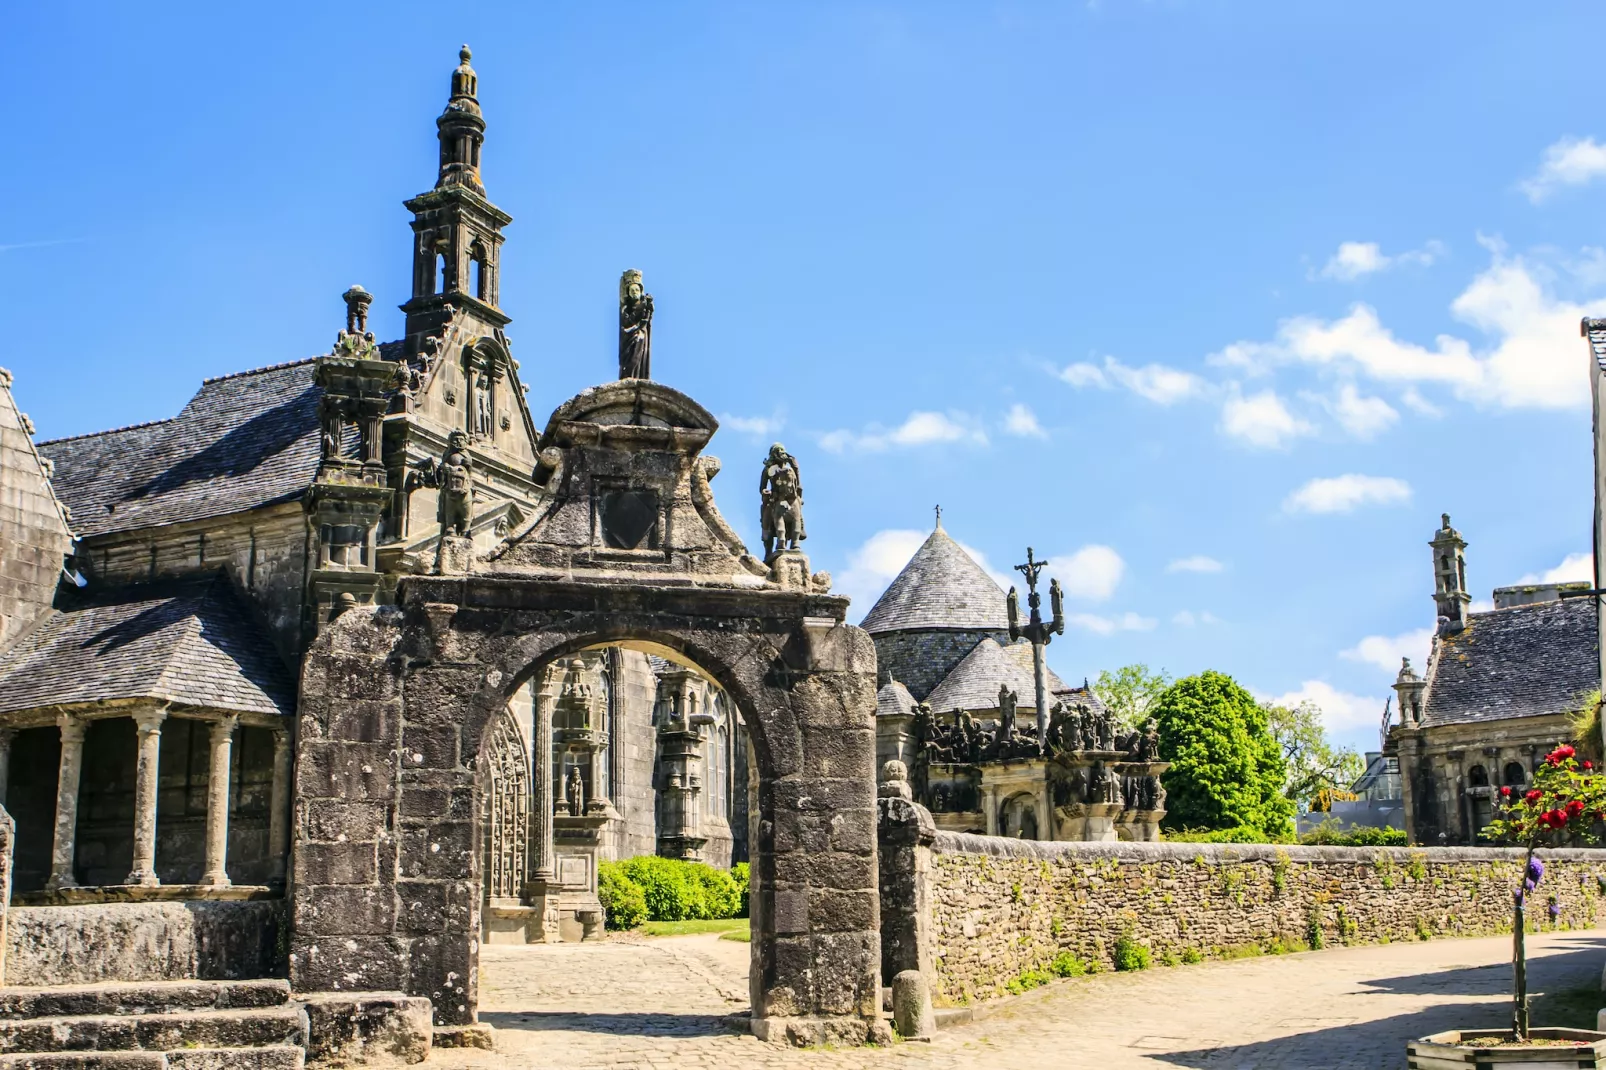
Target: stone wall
(1003, 907)
(33, 528)
(920, 659)
(209, 941)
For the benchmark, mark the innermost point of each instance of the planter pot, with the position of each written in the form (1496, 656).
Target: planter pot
(1450, 1051)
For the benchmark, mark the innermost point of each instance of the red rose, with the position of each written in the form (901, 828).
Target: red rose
(1534, 796)
(1575, 808)
(1560, 754)
(1588, 765)
(1506, 791)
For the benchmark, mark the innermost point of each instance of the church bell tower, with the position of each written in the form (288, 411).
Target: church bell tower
(457, 232)
(1450, 594)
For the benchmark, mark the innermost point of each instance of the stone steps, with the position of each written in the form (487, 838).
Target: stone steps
(173, 1031)
(277, 1057)
(152, 997)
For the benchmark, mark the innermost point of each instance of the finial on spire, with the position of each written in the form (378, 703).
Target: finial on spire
(465, 55)
(939, 518)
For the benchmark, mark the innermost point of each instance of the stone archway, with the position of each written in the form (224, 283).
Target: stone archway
(629, 549)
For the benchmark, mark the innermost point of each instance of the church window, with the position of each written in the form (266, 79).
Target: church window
(1478, 777)
(1515, 773)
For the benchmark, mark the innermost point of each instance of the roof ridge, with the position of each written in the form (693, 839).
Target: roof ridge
(259, 371)
(108, 431)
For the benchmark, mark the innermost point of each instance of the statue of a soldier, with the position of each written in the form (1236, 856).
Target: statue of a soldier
(635, 328)
(780, 489)
(455, 478)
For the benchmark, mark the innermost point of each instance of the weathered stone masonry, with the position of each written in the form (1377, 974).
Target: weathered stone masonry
(1002, 907)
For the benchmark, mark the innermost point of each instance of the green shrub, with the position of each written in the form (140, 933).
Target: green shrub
(685, 891)
(623, 901)
(743, 876)
(1066, 964)
(1237, 834)
(1191, 956)
(1328, 834)
(1130, 955)
(1027, 981)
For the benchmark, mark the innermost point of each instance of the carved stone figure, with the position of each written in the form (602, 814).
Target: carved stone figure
(454, 475)
(575, 792)
(780, 490)
(1006, 712)
(331, 427)
(635, 328)
(482, 406)
(1149, 743)
(1106, 727)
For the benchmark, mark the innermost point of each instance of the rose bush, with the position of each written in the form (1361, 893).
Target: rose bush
(1564, 804)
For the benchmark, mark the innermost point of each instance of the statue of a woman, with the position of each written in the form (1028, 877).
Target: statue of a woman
(635, 328)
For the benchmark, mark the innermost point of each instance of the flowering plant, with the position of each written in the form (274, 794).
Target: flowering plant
(1562, 804)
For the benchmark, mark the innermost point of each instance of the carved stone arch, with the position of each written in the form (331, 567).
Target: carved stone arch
(506, 794)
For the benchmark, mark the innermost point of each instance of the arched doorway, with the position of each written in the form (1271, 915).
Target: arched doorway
(629, 551)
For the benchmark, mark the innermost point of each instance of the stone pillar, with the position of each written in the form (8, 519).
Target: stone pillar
(279, 805)
(72, 764)
(1045, 809)
(149, 726)
(6, 736)
(989, 802)
(217, 804)
(542, 865)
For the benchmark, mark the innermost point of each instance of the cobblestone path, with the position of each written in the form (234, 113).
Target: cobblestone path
(659, 1003)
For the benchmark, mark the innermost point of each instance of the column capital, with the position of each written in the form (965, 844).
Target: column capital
(72, 727)
(223, 728)
(150, 720)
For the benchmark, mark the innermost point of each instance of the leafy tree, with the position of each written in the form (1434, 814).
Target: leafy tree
(1129, 692)
(1317, 770)
(1227, 770)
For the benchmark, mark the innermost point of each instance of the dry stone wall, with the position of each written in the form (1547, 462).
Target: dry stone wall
(1002, 908)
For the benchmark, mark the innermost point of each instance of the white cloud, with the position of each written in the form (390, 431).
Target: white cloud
(1413, 400)
(1363, 417)
(1154, 382)
(1091, 573)
(1355, 259)
(1262, 420)
(1124, 622)
(1196, 563)
(1385, 651)
(1533, 360)
(1571, 161)
(758, 426)
(1021, 421)
(1343, 494)
(920, 429)
(1574, 567)
(1342, 711)
(1186, 618)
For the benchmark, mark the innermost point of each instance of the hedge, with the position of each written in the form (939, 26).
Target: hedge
(648, 888)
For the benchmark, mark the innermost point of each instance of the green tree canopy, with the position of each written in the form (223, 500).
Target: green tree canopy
(1314, 764)
(1227, 770)
(1129, 692)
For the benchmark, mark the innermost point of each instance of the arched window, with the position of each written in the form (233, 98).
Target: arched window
(1515, 773)
(1477, 777)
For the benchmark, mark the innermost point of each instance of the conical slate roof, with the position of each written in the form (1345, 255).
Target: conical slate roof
(940, 587)
(973, 685)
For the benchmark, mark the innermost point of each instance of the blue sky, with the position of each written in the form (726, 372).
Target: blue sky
(1218, 304)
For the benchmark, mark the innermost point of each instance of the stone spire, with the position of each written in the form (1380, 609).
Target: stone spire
(1409, 687)
(462, 130)
(457, 232)
(1450, 593)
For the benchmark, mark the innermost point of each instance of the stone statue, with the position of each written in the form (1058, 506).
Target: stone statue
(780, 490)
(482, 405)
(1149, 743)
(635, 328)
(329, 439)
(575, 792)
(1106, 731)
(1006, 712)
(455, 478)
(1056, 600)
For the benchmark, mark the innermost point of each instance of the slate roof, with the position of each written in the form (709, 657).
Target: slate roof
(973, 685)
(893, 699)
(941, 587)
(243, 441)
(1525, 661)
(190, 642)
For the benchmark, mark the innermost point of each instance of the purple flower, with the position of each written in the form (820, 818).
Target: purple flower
(1536, 870)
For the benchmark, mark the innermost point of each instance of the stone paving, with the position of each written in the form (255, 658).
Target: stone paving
(659, 1003)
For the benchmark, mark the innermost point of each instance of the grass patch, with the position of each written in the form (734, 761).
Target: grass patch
(744, 936)
(697, 925)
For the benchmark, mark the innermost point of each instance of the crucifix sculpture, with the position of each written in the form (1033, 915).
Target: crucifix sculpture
(1038, 631)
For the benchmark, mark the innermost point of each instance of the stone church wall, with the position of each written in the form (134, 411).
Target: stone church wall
(1003, 907)
(920, 660)
(33, 536)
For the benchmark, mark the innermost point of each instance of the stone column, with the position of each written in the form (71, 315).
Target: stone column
(989, 800)
(6, 736)
(217, 804)
(279, 806)
(543, 867)
(149, 726)
(72, 764)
